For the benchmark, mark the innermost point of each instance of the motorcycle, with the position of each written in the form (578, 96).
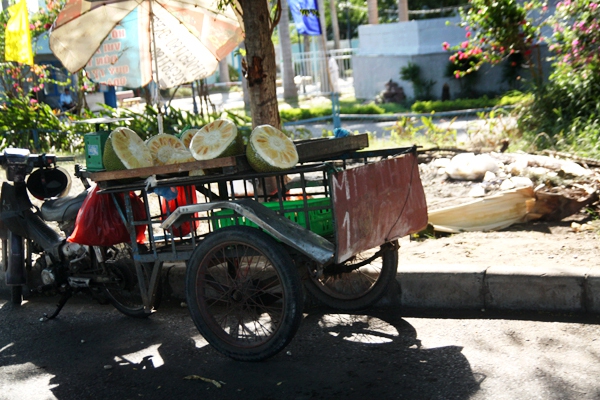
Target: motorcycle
(37, 257)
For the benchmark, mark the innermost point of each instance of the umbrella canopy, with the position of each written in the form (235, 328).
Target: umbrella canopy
(130, 43)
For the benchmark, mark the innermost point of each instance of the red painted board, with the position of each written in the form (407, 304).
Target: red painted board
(377, 203)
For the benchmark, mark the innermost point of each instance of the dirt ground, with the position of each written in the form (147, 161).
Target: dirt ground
(533, 244)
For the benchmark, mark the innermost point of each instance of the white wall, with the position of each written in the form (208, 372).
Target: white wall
(384, 49)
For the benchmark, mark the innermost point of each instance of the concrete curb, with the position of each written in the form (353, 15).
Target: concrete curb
(573, 289)
(460, 287)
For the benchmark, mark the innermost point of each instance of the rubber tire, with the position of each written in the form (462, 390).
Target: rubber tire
(16, 295)
(16, 292)
(127, 270)
(361, 301)
(288, 280)
(4, 254)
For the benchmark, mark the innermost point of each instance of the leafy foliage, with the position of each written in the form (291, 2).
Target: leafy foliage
(565, 113)
(496, 29)
(511, 98)
(175, 121)
(422, 130)
(22, 120)
(422, 87)
(297, 114)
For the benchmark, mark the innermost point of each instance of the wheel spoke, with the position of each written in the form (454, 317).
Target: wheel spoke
(243, 293)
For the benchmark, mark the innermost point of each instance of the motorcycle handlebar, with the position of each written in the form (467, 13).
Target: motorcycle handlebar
(28, 160)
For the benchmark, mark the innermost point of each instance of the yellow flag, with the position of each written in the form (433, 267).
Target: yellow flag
(17, 45)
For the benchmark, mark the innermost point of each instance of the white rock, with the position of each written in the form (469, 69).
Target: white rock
(477, 191)
(468, 166)
(517, 168)
(538, 171)
(571, 168)
(440, 162)
(521, 181)
(489, 176)
(507, 184)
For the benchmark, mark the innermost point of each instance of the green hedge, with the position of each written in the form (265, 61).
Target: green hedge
(466, 104)
(298, 114)
(352, 107)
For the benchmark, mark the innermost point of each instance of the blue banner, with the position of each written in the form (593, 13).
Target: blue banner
(307, 23)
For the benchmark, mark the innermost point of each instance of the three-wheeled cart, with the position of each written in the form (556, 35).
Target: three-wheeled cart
(251, 241)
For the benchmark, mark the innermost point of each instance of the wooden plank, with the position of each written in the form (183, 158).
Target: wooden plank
(319, 149)
(163, 169)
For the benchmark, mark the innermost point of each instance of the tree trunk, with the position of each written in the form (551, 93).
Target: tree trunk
(372, 15)
(402, 10)
(290, 91)
(334, 24)
(307, 57)
(260, 68)
(245, 91)
(224, 71)
(325, 86)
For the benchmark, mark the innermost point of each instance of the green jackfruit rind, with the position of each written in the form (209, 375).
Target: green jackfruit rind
(187, 136)
(257, 163)
(110, 159)
(235, 148)
(253, 153)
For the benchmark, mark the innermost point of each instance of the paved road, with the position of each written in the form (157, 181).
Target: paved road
(383, 353)
(463, 124)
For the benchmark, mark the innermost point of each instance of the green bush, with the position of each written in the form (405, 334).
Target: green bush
(466, 104)
(299, 114)
(564, 114)
(422, 87)
(145, 123)
(22, 119)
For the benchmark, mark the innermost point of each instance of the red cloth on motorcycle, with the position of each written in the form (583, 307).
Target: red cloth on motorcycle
(98, 222)
(185, 195)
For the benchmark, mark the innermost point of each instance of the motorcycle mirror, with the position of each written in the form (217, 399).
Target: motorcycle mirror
(45, 183)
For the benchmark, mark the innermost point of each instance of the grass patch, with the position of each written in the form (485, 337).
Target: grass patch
(321, 107)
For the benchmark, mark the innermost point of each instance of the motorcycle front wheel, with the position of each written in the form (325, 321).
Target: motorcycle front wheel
(13, 249)
(123, 290)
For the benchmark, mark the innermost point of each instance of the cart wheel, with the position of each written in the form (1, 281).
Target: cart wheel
(124, 291)
(244, 293)
(359, 282)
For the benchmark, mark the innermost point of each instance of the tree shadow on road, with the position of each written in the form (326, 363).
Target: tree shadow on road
(92, 351)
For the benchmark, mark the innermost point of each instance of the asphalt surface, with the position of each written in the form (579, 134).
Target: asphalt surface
(93, 352)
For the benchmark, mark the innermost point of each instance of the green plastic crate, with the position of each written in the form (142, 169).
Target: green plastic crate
(321, 221)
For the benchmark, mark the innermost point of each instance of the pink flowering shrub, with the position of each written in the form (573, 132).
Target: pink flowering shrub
(566, 108)
(494, 30)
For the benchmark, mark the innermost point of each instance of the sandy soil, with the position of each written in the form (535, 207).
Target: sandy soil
(537, 244)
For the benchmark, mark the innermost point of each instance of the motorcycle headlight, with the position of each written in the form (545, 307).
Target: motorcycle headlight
(46, 183)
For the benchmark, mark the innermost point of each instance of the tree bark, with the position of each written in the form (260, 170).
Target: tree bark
(290, 91)
(334, 24)
(372, 14)
(224, 71)
(259, 66)
(402, 10)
